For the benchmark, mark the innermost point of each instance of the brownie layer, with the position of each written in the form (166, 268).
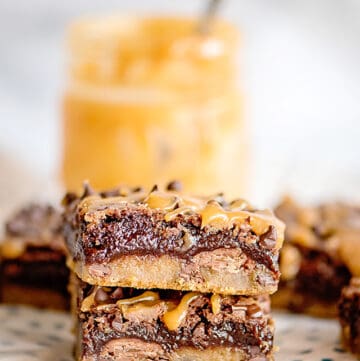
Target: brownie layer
(101, 231)
(172, 321)
(349, 314)
(317, 286)
(319, 256)
(37, 271)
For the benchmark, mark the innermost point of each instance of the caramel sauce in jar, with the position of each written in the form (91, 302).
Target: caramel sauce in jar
(151, 99)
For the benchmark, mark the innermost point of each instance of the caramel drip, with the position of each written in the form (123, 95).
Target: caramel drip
(240, 204)
(260, 221)
(89, 301)
(161, 200)
(147, 296)
(173, 318)
(215, 301)
(11, 249)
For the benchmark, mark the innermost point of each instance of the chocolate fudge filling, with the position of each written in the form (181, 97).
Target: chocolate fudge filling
(174, 319)
(42, 275)
(98, 231)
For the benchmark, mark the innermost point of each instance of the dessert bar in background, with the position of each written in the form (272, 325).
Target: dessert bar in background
(349, 314)
(130, 324)
(33, 268)
(165, 239)
(159, 275)
(320, 254)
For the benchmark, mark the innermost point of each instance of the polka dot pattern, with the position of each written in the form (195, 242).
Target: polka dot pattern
(28, 334)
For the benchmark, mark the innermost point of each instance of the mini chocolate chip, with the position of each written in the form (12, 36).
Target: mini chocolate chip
(174, 186)
(117, 324)
(88, 191)
(69, 198)
(154, 188)
(101, 296)
(268, 239)
(254, 311)
(117, 294)
(110, 193)
(137, 189)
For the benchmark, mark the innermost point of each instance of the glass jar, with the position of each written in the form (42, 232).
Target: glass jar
(150, 100)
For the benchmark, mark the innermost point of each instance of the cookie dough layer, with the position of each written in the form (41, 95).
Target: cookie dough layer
(128, 324)
(168, 240)
(225, 271)
(136, 350)
(349, 314)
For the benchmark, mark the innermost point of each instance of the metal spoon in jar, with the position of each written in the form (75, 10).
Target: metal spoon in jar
(208, 16)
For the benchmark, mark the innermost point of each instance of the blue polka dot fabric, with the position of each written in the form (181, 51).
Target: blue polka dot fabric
(28, 334)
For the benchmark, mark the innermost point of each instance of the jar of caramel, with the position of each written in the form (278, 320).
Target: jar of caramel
(149, 100)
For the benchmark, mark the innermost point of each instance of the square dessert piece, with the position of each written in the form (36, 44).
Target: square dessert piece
(320, 254)
(165, 239)
(349, 314)
(33, 268)
(115, 323)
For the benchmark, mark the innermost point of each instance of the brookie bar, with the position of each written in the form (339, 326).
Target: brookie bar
(320, 254)
(165, 239)
(116, 323)
(349, 314)
(33, 268)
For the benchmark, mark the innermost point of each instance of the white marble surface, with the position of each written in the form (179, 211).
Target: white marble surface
(299, 68)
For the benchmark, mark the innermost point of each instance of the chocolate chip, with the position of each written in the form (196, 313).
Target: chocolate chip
(117, 294)
(268, 239)
(117, 324)
(254, 311)
(110, 193)
(174, 186)
(154, 188)
(88, 191)
(101, 296)
(137, 189)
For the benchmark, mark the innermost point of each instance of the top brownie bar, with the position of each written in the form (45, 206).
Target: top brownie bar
(168, 240)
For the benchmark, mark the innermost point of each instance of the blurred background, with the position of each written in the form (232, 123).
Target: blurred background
(298, 66)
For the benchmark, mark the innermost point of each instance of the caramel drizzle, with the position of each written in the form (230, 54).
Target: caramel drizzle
(12, 248)
(147, 296)
(212, 213)
(89, 301)
(215, 302)
(173, 318)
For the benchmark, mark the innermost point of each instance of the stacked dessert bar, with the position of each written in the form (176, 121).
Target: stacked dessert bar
(349, 315)
(320, 254)
(162, 276)
(33, 268)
